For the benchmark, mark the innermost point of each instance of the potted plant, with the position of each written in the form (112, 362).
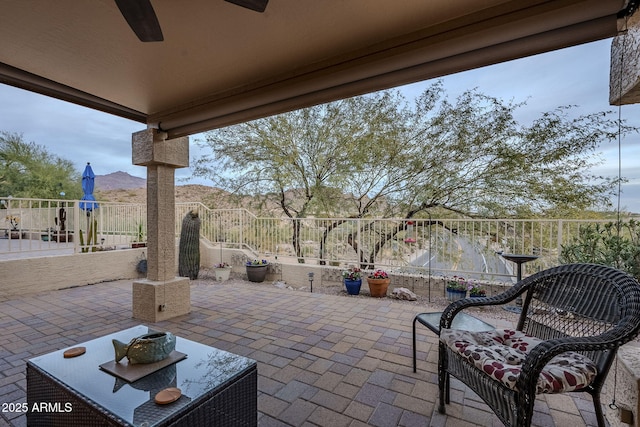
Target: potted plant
(138, 240)
(456, 289)
(14, 233)
(477, 291)
(61, 234)
(47, 235)
(378, 283)
(257, 270)
(141, 266)
(352, 279)
(222, 271)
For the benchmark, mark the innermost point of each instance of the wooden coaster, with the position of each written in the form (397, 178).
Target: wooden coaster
(74, 352)
(168, 395)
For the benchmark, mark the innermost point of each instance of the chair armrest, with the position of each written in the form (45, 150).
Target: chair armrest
(455, 307)
(542, 353)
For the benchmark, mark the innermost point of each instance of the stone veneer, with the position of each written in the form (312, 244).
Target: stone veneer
(625, 65)
(624, 89)
(624, 379)
(162, 294)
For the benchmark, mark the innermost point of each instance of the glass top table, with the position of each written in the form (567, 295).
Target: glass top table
(79, 385)
(461, 321)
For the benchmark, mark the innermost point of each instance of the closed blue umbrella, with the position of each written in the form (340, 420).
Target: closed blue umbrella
(88, 202)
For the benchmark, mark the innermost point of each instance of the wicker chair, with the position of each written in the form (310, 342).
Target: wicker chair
(584, 308)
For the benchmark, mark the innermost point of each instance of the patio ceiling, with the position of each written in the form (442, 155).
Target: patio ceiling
(221, 64)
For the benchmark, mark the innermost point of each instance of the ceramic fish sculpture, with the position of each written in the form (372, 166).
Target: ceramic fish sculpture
(148, 348)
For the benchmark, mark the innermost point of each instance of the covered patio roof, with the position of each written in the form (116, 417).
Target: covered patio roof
(221, 64)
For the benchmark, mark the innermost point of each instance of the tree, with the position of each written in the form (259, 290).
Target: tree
(28, 170)
(300, 160)
(376, 155)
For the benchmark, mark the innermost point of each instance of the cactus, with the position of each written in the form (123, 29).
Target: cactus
(92, 235)
(189, 249)
(61, 219)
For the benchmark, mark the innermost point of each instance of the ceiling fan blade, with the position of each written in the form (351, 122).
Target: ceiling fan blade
(257, 5)
(142, 19)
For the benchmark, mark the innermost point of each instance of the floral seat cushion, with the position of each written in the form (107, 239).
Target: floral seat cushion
(501, 352)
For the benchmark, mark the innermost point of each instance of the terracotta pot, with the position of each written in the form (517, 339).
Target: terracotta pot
(378, 287)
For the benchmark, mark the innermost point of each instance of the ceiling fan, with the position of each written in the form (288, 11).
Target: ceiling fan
(142, 19)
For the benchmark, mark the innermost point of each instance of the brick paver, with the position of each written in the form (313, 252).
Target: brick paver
(322, 360)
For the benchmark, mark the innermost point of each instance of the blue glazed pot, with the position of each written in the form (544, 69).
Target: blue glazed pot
(453, 295)
(353, 286)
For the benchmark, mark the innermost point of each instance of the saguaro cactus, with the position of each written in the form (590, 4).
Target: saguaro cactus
(62, 215)
(189, 249)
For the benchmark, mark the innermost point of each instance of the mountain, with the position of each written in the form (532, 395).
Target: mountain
(124, 188)
(118, 181)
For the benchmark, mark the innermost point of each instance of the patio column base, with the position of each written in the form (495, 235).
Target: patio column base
(154, 301)
(626, 373)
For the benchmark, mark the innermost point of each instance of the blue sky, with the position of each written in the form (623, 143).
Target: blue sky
(574, 76)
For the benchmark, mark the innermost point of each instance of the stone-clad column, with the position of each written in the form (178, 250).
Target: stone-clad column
(161, 295)
(624, 77)
(161, 223)
(622, 385)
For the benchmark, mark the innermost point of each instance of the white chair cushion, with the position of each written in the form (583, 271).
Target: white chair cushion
(501, 352)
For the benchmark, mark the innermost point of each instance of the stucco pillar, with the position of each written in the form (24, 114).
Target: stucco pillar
(161, 295)
(624, 78)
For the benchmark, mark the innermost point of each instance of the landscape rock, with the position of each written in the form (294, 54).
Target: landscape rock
(282, 285)
(404, 294)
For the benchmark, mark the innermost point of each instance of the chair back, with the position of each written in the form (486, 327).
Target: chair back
(582, 300)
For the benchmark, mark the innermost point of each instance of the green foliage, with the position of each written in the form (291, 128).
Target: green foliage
(379, 155)
(28, 170)
(615, 244)
(140, 232)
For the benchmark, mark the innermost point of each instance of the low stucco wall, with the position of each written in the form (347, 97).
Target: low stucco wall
(28, 275)
(296, 274)
(49, 273)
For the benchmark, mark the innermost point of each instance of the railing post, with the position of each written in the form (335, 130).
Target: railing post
(241, 242)
(359, 251)
(76, 225)
(560, 226)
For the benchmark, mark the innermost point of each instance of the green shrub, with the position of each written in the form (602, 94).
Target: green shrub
(606, 244)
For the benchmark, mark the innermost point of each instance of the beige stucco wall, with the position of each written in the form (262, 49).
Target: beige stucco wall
(57, 272)
(30, 275)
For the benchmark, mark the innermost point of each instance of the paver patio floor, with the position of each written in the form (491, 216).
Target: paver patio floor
(322, 360)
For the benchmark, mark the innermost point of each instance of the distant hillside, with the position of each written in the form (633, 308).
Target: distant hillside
(121, 187)
(124, 188)
(118, 181)
(184, 193)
